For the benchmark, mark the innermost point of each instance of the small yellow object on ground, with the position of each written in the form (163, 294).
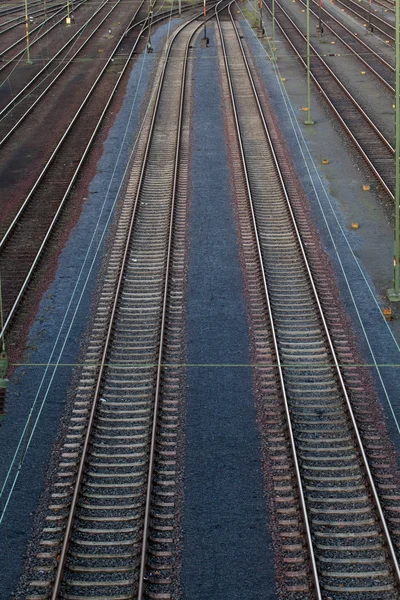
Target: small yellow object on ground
(387, 313)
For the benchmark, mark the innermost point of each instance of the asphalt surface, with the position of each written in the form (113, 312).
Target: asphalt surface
(55, 337)
(226, 542)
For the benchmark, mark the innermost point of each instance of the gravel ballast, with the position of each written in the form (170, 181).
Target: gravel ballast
(227, 546)
(361, 258)
(46, 390)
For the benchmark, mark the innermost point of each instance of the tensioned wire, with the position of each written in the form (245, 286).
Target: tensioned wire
(348, 16)
(308, 160)
(69, 51)
(37, 33)
(92, 241)
(57, 64)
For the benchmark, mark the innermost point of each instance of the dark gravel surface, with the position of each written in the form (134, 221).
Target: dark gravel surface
(25, 391)
(227, 545)
(362, 258)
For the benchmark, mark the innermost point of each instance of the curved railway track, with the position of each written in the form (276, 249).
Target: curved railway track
(350, 548)
(118, 532)
(50, 192)
(370, 142)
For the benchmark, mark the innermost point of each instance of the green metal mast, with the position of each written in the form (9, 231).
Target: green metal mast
(28, 53)
(394, 293)
(273, 56)
(309, 121)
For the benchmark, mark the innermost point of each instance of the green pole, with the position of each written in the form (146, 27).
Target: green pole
(273, 57)
(309, 121)
(28, 55)
(394, 293)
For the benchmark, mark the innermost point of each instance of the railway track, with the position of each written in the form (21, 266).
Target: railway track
(19, 8)
(31, 227)
(373, 146)
(10, 61)
(23, 101)
(340, 483)
(118, 541)
(10, 24)
(13, 114)
(25, 235)
(380, 25)
(382, 69)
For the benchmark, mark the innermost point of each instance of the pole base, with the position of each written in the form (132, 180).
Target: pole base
(309, 122)
(29, 62)
(393, 296)
(273, 58)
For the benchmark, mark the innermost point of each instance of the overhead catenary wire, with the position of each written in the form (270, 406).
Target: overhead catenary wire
(81, 273)
(310, 165)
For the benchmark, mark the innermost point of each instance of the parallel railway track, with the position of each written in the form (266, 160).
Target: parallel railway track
(373, 146)
(380, 25)
(118, 528)
(350, 548)
(119, 457)
(382, 69)
(24, 100)
(50, 191)
(14, 22)
(10, 59)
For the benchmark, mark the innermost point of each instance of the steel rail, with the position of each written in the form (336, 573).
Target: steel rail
(35, 40)
(12, 9)
(335, 360)
(388, 6)
(332, 106)
(384, 23)
(66, 65)
(21, 19)
(11, 314)
(11, 104)
(3, 111)
(352, 50)
(63, 138)
(74, 177)
(269, 307)
(143, 559)
(96, 395)
(20, 8)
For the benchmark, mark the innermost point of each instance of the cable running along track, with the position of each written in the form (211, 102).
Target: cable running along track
(118, 533)
(57, 177)
(350, 549)
(370, 142)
